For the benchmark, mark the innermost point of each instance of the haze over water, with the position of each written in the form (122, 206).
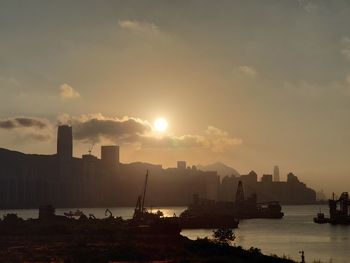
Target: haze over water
(287, 236)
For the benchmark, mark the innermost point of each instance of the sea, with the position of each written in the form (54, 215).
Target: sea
(286, 237)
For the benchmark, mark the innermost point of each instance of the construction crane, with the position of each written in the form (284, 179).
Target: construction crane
(91, 147)
(144, 193)
(108, 212)
(341, 215)
(140, 204)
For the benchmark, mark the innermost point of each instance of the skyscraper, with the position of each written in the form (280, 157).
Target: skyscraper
(110, 156)
(181, 165)
(64, 153)
(65, 142)
(276, 174)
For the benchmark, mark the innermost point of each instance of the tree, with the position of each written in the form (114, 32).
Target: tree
(224, 235)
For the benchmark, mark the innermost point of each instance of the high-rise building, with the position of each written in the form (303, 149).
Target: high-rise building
(110, 156)
(276, 174)
(291, 178)
(64, 151)
(250, 178)
(65, 142)
(89, 165)
(181, 165)
(266, 178)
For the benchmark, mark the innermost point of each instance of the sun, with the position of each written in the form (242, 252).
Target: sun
(160, 125)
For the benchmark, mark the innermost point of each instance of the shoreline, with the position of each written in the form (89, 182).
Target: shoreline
(109, 248)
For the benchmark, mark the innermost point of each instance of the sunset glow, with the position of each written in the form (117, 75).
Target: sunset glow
(160, 125)
(170, 131)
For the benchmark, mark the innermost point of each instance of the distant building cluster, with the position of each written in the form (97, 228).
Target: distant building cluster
(269, 188)
(28, 180)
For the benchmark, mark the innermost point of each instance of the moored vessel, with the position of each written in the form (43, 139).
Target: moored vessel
(339, 211)
(321, 219)
(240, 209)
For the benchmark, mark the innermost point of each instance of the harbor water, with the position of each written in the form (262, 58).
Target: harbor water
(283, 237)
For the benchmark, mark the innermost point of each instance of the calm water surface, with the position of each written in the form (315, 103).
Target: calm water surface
(295, 232)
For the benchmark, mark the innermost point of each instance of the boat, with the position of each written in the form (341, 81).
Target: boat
(154, 223)
(339, 216)
(76, 213)
(338, 211)
(270, 210)
(242, 208)
(321, 219)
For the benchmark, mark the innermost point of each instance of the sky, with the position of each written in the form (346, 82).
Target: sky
(252, 84)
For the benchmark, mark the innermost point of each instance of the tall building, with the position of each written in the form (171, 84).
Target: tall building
(110, 156)
(250, 178)
(291, 178)
(64, 151)
(276, 174)
(65, 142)
(266, 178)
(181, 165)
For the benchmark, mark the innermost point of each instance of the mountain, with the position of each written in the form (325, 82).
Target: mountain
(222, 169)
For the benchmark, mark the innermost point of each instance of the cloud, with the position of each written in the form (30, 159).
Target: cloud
(318, 91)
(308, 6)
(345, 50)
(22, 122)
(347, 85)
(136, 26)
(347, 80)
(67, 92)
(98, 129)
(248, 71)
(220, 140)
(28, 127)
(174, 142)
(213, 139)
(9, 82)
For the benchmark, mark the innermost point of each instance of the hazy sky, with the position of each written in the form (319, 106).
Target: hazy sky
(249, 83)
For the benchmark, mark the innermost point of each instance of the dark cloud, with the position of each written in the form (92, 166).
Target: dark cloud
(22, 122)
(97, 128)
(100, 129)
(28, 128)
(7, 124)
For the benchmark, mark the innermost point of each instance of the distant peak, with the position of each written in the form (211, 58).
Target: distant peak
(221, 168)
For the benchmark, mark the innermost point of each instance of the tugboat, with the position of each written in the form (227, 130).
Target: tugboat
(321, 219)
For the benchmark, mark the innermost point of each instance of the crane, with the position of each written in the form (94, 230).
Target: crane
(140, 204)
(91, 147)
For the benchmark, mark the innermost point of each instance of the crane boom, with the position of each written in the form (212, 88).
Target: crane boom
(144, 193)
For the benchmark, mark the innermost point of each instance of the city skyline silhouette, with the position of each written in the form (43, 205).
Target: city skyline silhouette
(174, 131)
(245, 84)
